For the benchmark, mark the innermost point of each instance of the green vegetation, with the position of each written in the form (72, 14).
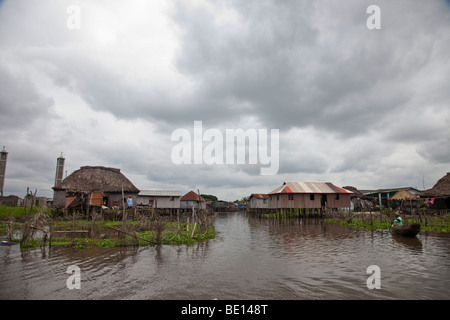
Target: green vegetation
(361, 223)
(16, 212)
(291, 213)
(145, 238)
(438, 224)
(34, 230)
(208, 196)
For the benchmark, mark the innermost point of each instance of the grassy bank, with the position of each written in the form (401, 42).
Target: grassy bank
(16, 212)
(437, 224)
(291, 213)
(146, 238)
(41, 229)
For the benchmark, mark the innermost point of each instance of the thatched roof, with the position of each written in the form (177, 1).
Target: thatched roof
(88, 179)
(192, 196)
(404, 195)
(442, 187)
(355, 191)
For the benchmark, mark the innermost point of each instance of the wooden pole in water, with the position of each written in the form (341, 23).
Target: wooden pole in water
(123, 208)
(193, 229)
(187, 227)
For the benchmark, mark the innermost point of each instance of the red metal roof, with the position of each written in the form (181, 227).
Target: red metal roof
(191, 196)
(259, 195)
(309, 187)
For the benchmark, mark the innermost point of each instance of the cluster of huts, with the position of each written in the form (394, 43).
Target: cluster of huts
(99, 186)
(108, 187)
(325, 195)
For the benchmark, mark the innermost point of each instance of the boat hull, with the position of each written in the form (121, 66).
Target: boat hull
(407, 230)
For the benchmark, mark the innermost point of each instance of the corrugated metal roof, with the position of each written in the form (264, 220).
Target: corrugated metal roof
(309, 187)
(160, 193)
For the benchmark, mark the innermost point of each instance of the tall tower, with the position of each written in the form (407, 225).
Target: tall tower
(3, 158)
(59, 170)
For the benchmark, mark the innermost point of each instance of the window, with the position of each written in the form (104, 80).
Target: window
(291, 196)
(278, 197)
(337, 196)
(311, 197)
(172, 198)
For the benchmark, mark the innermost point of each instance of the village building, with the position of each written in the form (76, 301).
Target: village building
(383, 197)
(258, 201)
(10, 201)
(192, 200)
(405, 199)
(241, 204)
(94, 186)
(223, 206)
(438, 197)
(309, 195)
(358, 201)
(159, 199)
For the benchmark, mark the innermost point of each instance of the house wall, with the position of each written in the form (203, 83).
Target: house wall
(303, 200)
(342, 202)
(281, 201)
(165, 202)
(143, 200)
(9, 201)
(184, 204)
(257, 203)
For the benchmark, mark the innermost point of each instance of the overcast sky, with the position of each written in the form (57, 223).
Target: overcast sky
(353, 106)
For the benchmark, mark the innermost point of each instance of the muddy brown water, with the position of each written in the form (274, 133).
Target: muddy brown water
(249, 259)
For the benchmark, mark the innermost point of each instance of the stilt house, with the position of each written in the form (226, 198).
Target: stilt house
(309, 195)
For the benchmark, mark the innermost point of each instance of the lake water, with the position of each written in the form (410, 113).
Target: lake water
(249, 259)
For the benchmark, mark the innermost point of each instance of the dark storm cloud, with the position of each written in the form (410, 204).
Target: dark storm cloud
(21, 105)
(350, 102)
(290, 71)
(248, 64)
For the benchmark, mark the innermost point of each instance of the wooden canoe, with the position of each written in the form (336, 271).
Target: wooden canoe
(408, 230)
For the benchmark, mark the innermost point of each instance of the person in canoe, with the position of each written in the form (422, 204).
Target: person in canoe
(397, 221)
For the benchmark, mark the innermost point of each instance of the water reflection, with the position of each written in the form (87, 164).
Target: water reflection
(413, 244)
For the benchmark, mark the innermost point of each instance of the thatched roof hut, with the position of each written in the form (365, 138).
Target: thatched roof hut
(88, 179)
(102, 183)
(356, 192)
(404, 195)
(441, 188)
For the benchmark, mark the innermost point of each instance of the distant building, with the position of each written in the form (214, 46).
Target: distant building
(439, 194)
(10, 201)
(94, 186)
(192, 200)
(382, 197)
(220, 205)
(309, 195)
(258, 201)
(159, 199)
